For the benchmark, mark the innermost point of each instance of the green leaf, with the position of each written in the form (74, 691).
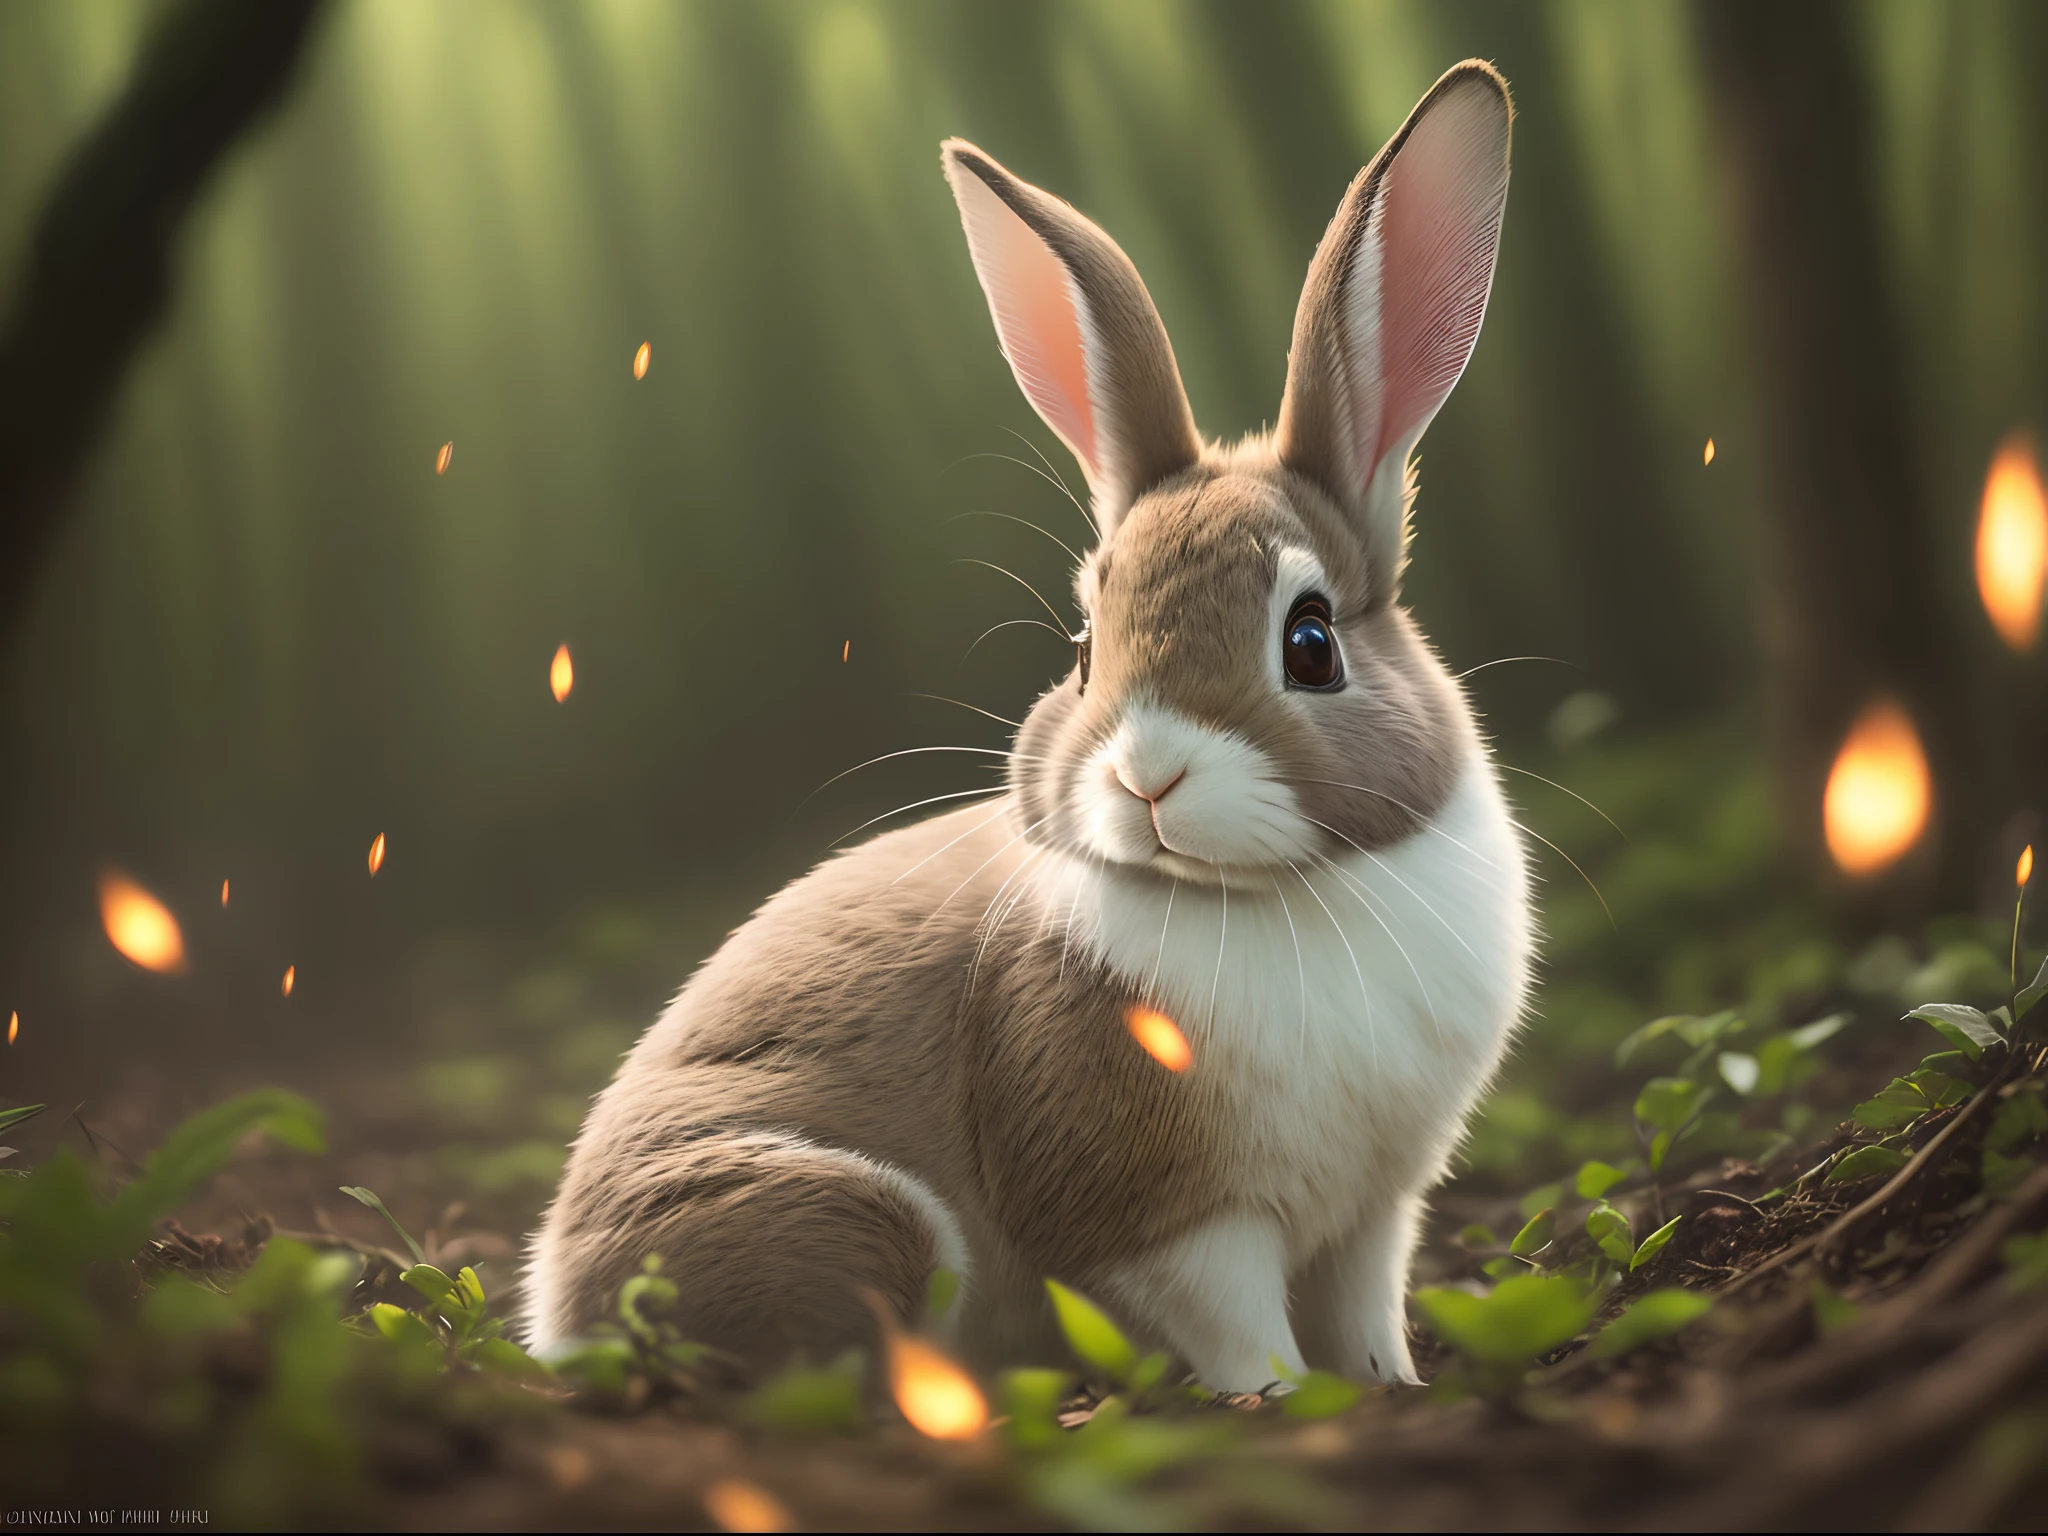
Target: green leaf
(401, 1326)
(1536, 1235)
(1477, 1236)
(1542, 1196)
(2032, 992)
(201, 1145)
(1865, 1163)
(1521, 1318)
(1656, 1029)
(601, 1364)
(1832, 1311)
(1667, 1103)
(1970, 1030)
(428, 1281)
(1898, 1104)
(941, 1291)
(1807, 1036)
(1031, 1398)
(2020, 1119)
(1610, 1232)
(1657, 1315)
(505, 1357)
(1091, 1334)
(1739, 1070)
(1320, 1395)
(1654, 1243)
(368, 1197)
(1660, 1144)
(808, 1399)
(1596, 1178)
(10, 1118)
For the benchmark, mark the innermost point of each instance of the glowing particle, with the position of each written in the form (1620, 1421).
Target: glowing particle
(291, 976)
(2012, 544)
(377, 854)
(223, 893)
(140, 926)
(937, 1397)
(561, 674)
(1160, 1037)
(2025, 871)
(846, 651)
(1878, 793)
(1707, 457)
(444, 458)
(742, 1506)
(642, 358)
(13, 1026)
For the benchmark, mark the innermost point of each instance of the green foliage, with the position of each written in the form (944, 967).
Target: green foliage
(2024, 1000)
(1969, 1030)
(1654, 1316)
(1595, 1179)
(2026, 1261)
(1098, 1341)
(1509, 1327)
(1832, 1311)
(1653, 1245)
(1536, 1235)
(1610, 1232)
(2020, 1119)
(804, 1398)
(1865, 1163)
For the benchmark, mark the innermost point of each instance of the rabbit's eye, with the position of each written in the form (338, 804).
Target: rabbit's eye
(1308, 649)
(1084, 652)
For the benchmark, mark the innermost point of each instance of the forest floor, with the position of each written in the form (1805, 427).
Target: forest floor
(1875, 1356)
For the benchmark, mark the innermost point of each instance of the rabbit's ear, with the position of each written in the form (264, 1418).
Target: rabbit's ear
(1079, 330)
(1393, 303)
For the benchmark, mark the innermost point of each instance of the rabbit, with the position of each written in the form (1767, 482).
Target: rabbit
(1258, 804)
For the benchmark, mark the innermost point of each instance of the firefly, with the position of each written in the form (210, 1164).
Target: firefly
(445, 457)
(1878, 793)
(642, 358)
(2012, 544)
(377, 854)
(1160, 1037)
(742, 1506)
(1708, 457)
(223, 893)
(140, 926)
(291, 975)
(846, 651)
(940, 1399)
(13, 1025)
(561, 673)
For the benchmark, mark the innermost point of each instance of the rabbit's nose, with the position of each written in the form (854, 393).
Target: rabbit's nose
(1149, 796)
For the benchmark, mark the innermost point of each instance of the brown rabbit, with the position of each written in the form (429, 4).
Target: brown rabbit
(1258, 804)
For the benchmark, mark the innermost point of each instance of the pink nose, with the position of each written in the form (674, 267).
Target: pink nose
(1154, 796)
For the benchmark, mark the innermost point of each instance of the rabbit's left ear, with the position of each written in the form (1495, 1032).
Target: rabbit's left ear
(1393, 302)
(1079, 330)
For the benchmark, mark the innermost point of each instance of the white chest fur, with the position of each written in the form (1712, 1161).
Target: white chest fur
(1350, 1012)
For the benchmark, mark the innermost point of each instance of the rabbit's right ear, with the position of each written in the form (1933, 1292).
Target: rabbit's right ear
(1392, 306)
(1079, 330)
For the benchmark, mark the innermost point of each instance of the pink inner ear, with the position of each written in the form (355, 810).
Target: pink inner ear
(1037, 314)
(1439, 226)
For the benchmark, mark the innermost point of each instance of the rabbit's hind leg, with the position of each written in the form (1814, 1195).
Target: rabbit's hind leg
(773, 1243)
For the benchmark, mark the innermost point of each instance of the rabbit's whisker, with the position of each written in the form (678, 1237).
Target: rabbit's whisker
(1017, 725)
(1360, 892)
(1151, 987)
(989, 931)
(1403, 805)
(1058, 479)
(1394, 875)
(1300, 972)
(1000, 812)
(984, 864)
(1012, 518)
(1371, 1030)
(1546, 842)
(962, 794)
(1004, 570)
(1501, 661)
(1073, 906)
(1064, 635)
(1589, 805)
(1222, 932)
(907, 752)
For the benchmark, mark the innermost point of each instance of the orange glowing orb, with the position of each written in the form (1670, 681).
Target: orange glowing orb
(223, 893)
(846, 651)
(742, 1506)
(444, 458)
(1708, 457)
(1160, 1036)
(1878, 793)
(561, 674)
(2012, 544)
(938, 1398)
(377, 854)
(2025, 871)
(642, 358)
(13, 1026)
(291, 976)
(139, 925)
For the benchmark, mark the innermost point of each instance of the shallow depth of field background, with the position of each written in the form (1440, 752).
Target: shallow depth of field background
(271, 631)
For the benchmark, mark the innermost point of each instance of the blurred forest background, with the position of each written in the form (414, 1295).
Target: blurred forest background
(268, 631)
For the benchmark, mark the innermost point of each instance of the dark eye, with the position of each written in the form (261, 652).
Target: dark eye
(1308, 650)
(1084, 652)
